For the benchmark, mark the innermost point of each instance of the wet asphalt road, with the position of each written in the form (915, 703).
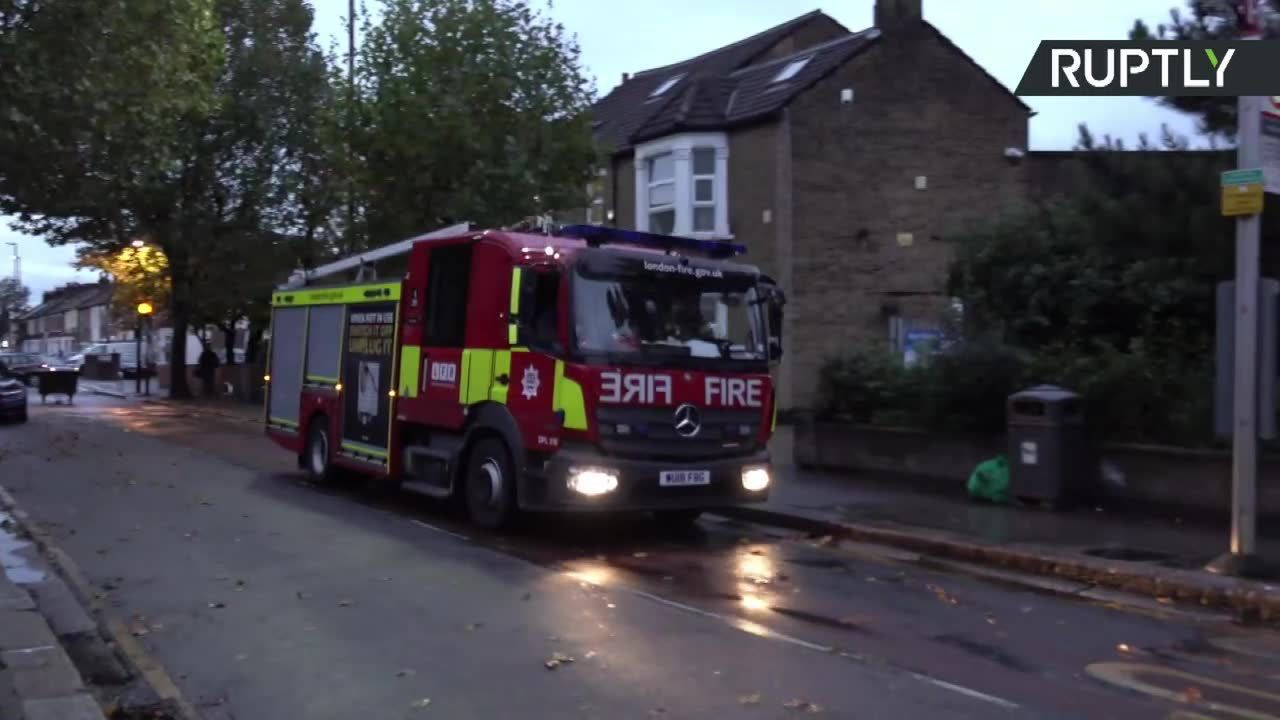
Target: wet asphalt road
(266, 597)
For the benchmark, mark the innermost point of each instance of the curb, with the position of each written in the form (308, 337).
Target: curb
(138, 661)
(1249, 600)
(38, 678)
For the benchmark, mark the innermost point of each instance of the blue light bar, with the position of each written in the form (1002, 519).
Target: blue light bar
(597, 235)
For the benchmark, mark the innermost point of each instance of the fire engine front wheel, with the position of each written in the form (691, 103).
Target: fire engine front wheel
(490, 484)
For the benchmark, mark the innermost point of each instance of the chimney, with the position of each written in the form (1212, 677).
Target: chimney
(890, 14)
(626, 77)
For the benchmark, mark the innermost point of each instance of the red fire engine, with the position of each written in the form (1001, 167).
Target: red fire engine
(585, 369)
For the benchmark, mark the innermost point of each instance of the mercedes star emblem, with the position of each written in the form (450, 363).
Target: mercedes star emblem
(688, 422)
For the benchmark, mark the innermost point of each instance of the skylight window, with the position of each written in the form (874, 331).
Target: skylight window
(666, 85)
(792, 68)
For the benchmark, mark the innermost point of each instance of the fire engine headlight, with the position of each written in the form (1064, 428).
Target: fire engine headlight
(755, 479)
(593, 481)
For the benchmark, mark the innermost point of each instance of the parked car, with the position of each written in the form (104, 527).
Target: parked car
(13, 397)
(21, 366)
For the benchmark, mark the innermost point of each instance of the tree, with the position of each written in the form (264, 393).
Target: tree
(1131, 251)
(14, 297)
(97, 151)
(1207, 20)
(187, 122)
(1109, 287)
(139, 274)
(470, 110)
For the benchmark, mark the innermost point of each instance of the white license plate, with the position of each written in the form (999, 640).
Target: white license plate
(678, 478)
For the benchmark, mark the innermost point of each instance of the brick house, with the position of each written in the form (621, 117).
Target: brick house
(68, 318)
(843, 160)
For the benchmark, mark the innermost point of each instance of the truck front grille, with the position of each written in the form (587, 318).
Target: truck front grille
(651, 433)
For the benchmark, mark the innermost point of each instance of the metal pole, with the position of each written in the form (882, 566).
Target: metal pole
(137, 361)
(1242, 560)
(17, 263)
(147, 365)
(351, 114)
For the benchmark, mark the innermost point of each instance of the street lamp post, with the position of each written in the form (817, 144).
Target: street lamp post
(144, 310)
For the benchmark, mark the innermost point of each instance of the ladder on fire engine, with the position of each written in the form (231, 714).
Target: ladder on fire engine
(362, 262)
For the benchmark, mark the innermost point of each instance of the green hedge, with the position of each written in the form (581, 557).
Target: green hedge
(1129, 396)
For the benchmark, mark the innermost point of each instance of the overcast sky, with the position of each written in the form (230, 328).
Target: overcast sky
(632, 35)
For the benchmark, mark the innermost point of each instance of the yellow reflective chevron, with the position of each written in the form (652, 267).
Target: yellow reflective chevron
(516, 277)
(501, 366)
(410, 368)
(477, 376)
(567, 396)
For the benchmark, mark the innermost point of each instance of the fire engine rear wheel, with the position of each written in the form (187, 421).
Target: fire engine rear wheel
(490, 484)
(317, 455)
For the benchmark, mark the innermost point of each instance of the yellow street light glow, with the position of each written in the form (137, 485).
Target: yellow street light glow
(144, 308)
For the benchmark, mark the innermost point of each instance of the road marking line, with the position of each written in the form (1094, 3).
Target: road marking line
(759, 630)
(32, 649)
(429, 526)
(1126, 675)
(968, 692)
(746, 626)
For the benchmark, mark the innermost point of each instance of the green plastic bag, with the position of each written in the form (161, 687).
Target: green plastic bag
(990, 480)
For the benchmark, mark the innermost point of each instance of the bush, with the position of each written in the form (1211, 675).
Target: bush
(1129, 396)
(963, 389)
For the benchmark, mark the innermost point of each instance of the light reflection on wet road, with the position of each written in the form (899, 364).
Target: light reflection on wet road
(1001, 647)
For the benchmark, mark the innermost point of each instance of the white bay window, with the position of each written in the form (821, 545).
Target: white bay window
(682, 186)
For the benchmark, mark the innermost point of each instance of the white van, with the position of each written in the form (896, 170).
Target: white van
(127, 349)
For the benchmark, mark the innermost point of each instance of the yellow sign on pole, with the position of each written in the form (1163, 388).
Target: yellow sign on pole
(1242, 200)
(1243, 192)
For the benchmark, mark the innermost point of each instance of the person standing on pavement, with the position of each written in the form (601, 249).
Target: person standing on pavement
(208, 366)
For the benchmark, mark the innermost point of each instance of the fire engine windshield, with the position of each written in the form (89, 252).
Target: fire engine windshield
(665, 310)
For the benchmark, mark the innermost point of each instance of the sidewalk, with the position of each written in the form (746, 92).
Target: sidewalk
(126, 390)
(1160, 556)
(38, 680)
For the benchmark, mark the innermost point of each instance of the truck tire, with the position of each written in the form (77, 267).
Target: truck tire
(490, 484)
(317, 456)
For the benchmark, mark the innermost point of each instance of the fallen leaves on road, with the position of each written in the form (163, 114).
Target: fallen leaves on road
(406, 672)
(526, 597)
(590, 654)
(824, 541)
(640, 555)
(1124, 648)
(474, 626)
(752, 699)
(420, 703)
(240, 585)
(802, 706)
(557, 659)
(302, 595)
(346, 603)
(217, 604)
(991, 620)
(943, 595)
(1192, 695)
(138, 627)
